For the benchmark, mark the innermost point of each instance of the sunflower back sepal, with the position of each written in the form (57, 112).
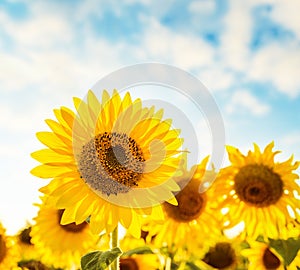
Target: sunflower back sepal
(99, 260)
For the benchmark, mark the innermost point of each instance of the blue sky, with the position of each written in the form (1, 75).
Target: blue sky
(247, 53)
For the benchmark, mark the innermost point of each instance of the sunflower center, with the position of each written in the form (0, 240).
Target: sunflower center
(116, 156)
(111, 163)
(3, 248)
(33, 265)
(72, 227)
(25, 237)
(128, 264)
(190, 206)
(270, 260)
(258, 185)
(220, 256)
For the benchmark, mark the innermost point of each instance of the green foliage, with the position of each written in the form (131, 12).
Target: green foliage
(138, 250)
(191, 266)
(288, 249)
(99, 260)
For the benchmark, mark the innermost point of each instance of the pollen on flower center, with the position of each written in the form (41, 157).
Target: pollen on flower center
(190, 205)
(111, 163)
(258, 185)
(3, 248)
(220, 256)
(115, 156)
(270, 260)
(72, 227)
(128, 264)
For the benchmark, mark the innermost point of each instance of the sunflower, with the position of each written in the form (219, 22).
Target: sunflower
(140, 262)
(262, 257)
(26, 248)
(8, 252)
(258, 191)
(191, 225)
(110, 163)
(224, 254)
(128, 242)
(60, 245)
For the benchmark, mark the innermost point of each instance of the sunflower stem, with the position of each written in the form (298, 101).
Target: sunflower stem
(168, 263)
(115, 243)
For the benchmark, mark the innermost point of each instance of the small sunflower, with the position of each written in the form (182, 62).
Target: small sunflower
(110, 162)
(223, 255)
(60, 245)
(26, 248)
(262, 257)
(191, 225)
(140, 262)
(258, 191)
(29, 255)
(8, 252)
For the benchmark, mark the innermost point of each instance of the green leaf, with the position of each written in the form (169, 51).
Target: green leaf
(192, 266)
(288, 249)
(99, 260)
(138, 250)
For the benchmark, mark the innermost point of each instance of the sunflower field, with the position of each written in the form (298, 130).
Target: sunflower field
(119, 194)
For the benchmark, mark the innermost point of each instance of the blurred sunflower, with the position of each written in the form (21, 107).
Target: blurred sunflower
(191, 225)
(140, 262)
(33, 265)
(262, 257)
(258, 191)
(128, 242)
(110, 163)
(26, 249)
(223, 255)
(60, 245)
(8, 252)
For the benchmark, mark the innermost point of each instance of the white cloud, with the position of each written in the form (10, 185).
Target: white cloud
(287, 14)
(216, 78)
(236, 36)
(183, 50)
(41, 30)
(43, 56)
(243, 100)
(279, 66)
(202, 7)
(275, 63)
